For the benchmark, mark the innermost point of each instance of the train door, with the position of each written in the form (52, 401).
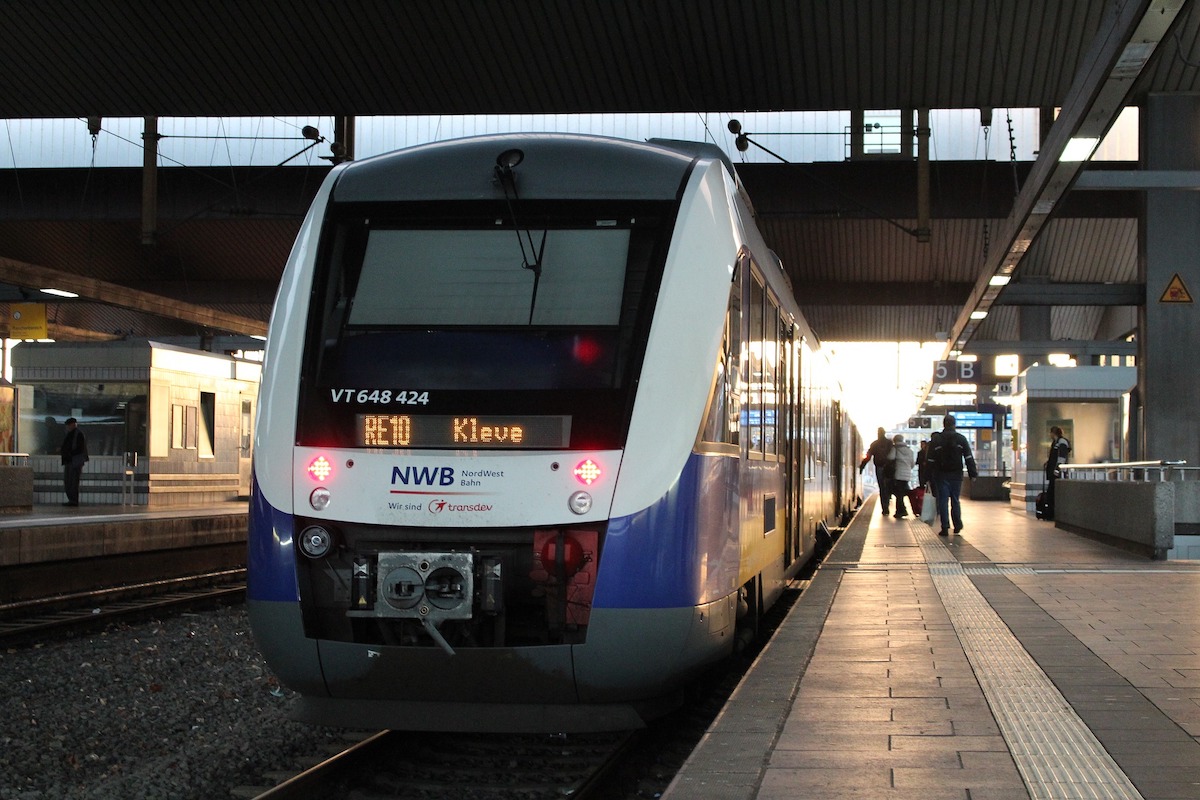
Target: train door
(245, 443)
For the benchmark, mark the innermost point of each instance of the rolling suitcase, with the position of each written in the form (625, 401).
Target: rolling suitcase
(1041, 507)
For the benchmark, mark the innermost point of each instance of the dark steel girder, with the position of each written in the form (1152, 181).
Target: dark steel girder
(33, 276)
(1077, 348)
(1072, 294)
(938, 293)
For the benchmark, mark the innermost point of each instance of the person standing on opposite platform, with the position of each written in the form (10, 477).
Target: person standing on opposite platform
(902, 458)
(74, 456)
(1060, 450)
(878, 453)
(949, 454)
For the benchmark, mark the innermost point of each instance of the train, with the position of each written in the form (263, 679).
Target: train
(541, 435)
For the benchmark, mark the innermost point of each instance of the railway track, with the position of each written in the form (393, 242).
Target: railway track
(424, 766)
(27, 620)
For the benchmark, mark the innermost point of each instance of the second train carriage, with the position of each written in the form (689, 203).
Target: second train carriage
(541, 427)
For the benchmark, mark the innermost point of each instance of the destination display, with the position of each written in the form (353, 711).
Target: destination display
(459, 431)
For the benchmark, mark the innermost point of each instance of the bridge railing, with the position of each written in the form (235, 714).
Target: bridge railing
(14, 459)
(1140, 471)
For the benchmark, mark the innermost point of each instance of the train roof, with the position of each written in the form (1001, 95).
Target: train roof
(555, 166)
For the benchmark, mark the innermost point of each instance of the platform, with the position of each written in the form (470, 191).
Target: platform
(77, 549)
(1012, 661)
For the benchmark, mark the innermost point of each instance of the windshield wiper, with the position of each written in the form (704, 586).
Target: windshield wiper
(505, 164)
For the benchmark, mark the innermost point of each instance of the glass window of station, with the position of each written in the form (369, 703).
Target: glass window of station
(113, 416)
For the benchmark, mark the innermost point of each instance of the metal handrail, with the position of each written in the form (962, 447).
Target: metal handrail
(1164, 469)
(14, 459)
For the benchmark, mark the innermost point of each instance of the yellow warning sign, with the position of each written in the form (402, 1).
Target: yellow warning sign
(1176, 292)
(27, 321)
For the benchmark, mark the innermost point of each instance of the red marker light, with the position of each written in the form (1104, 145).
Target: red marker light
(587, 472)
(587, 351)
(320, 468)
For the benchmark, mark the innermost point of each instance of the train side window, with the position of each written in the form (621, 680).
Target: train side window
(733, 366)
(754, 366)
(770, 377)
(721, 424)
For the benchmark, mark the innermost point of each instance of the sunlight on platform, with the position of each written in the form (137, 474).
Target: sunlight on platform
(883, 381)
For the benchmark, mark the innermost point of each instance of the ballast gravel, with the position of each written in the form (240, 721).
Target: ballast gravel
(177, 709)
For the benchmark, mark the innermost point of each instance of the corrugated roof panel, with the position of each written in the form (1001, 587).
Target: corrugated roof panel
(875, 250)
(1084, 250)
(116, 57)
(1075, 322)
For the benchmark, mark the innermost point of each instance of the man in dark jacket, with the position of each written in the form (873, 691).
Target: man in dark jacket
(1060, 451)
(949, 454)
(74, 456)
(878, 453)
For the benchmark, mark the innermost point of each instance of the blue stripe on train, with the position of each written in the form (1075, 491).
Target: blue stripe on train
(270, 558)
(680, 551)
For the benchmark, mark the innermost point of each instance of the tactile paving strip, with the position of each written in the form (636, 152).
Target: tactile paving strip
(1057, 755)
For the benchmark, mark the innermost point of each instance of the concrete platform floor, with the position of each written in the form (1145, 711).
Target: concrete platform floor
(1012, 661)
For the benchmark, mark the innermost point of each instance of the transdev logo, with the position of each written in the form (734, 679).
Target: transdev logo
(439, 506)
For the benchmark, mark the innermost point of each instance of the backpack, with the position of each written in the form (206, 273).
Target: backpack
(947, 453)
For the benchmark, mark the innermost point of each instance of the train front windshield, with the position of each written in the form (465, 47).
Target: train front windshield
(423, 327)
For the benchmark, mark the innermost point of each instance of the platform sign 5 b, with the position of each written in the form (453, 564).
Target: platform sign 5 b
(956, 372)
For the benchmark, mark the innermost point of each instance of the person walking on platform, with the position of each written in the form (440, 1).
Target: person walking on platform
(902, 458)
(950, 453)
(878, 454)
(924, 467)
(74, 456)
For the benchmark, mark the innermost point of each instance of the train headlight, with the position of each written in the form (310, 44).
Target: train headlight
(587, 472)
(319, 499)
(580, 502)
(320, 468)
(315, 541)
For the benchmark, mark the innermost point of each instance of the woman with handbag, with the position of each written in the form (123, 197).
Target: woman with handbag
(902, 459)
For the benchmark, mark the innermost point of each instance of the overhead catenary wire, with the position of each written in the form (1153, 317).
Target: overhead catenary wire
(834, 189)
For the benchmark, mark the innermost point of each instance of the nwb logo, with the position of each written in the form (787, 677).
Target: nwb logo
(423, 476)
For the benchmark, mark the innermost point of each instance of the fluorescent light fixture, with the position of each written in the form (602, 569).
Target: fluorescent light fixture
(999, 280)
(1079, 149)
(59, 292)
(978, 314)
(958, 388)
(968, 357)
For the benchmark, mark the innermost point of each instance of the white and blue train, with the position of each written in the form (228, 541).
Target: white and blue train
(541, 433)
